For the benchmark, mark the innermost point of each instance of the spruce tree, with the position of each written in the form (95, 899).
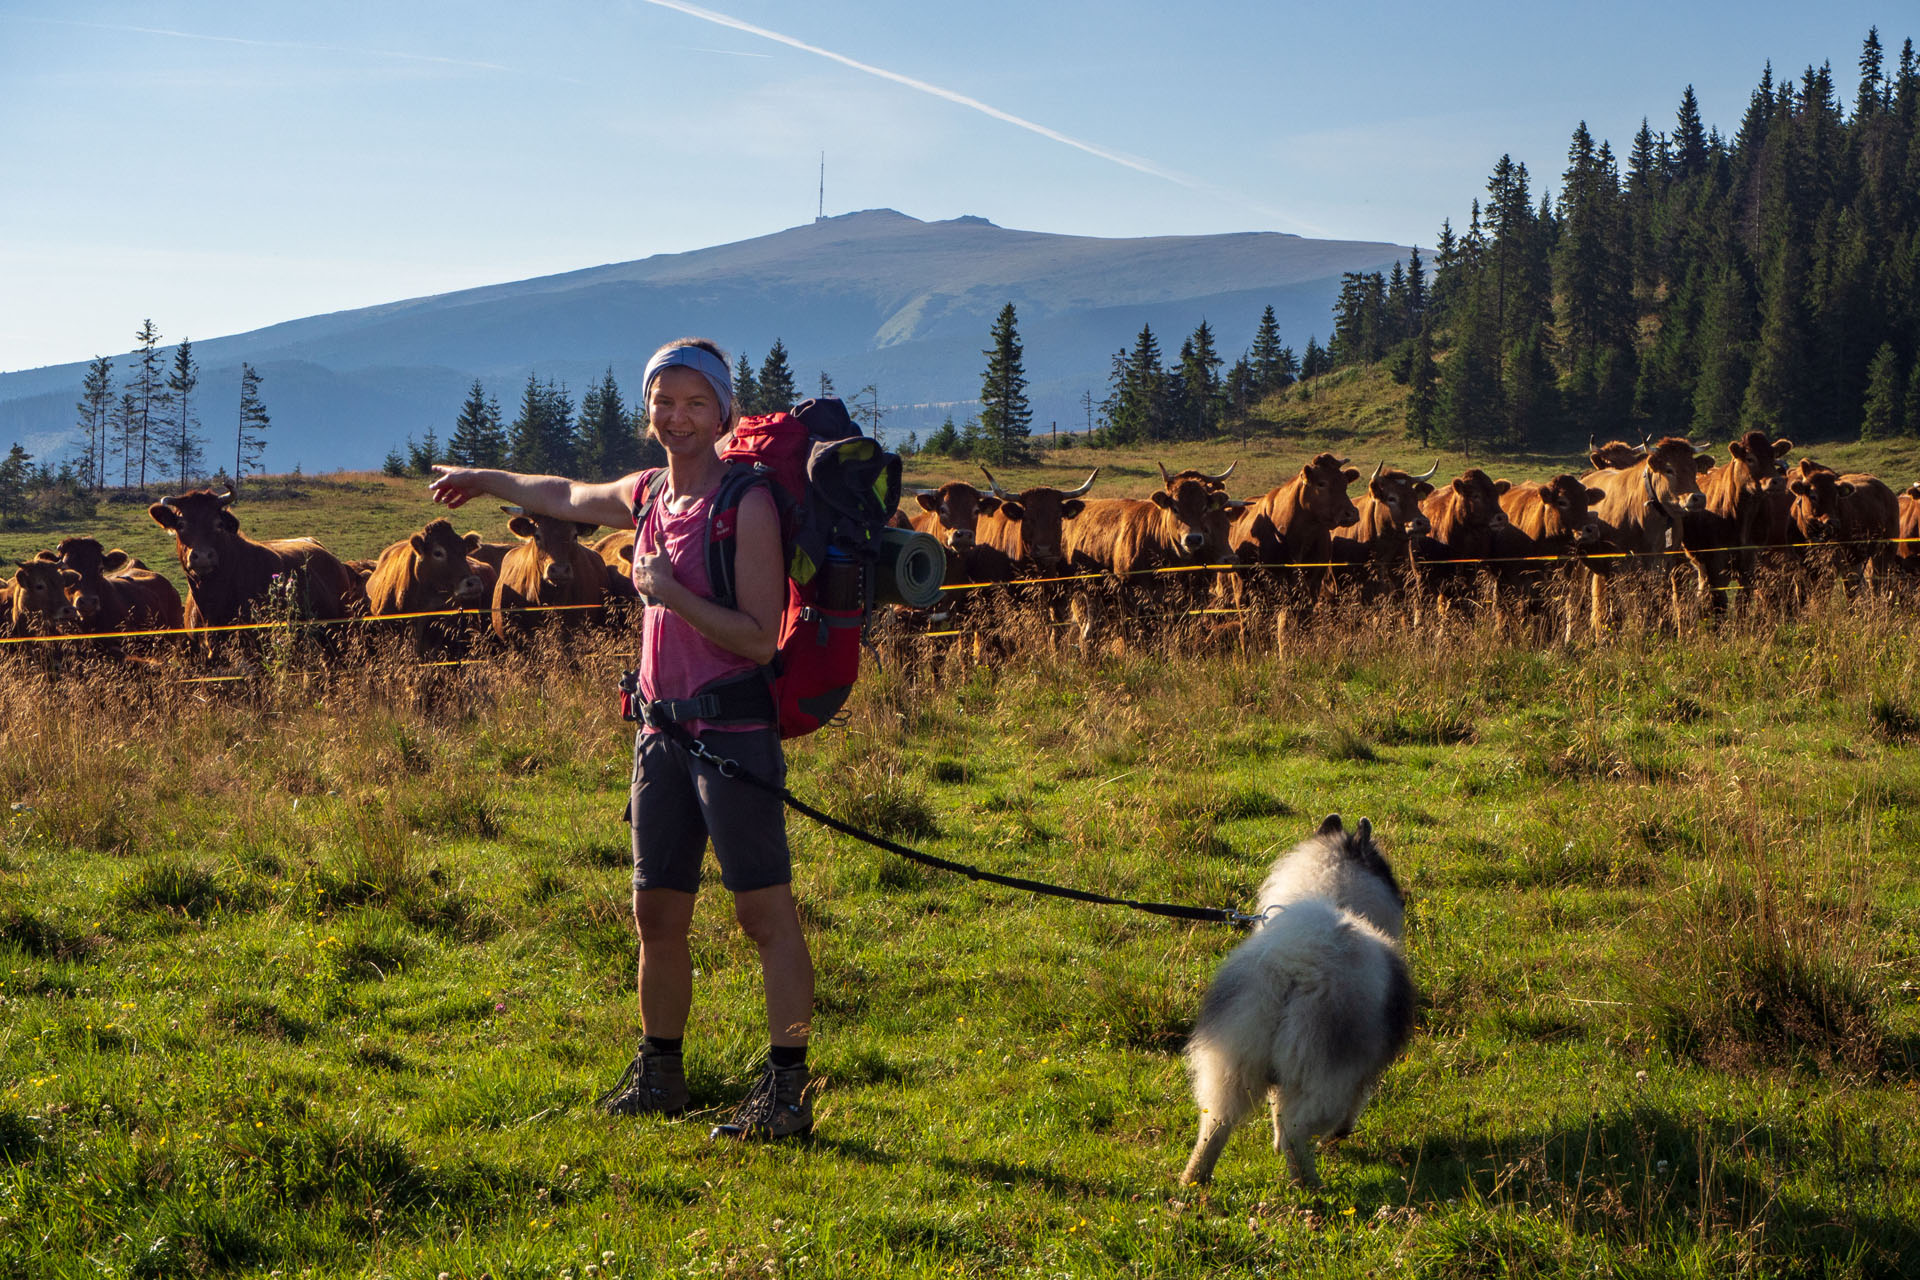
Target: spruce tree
(16, 472)
(1422, 389)
(1136, 400)
(746, 387)
(251, 439)
(944, 440)
(124, 428)
(1871, 97)
(1775, 394)
(1205, 397)
(148, 391)
(605, 445)
(1883, 413)
(1316, 361)
(528, 437)
(478, 439)
(556, 423)
(1725, 345)
(1268, 374)
(1689, 139)
(1910, 409)
(776, 388)
(1005, 417)
(95, 408)
(183, 436)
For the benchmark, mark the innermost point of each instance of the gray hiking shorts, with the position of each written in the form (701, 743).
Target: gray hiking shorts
(678, 803)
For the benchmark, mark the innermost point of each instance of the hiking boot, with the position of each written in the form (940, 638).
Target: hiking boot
(779, 1106)
(654, 1084)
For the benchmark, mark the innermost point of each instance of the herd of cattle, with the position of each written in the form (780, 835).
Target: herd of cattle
(1663, 504)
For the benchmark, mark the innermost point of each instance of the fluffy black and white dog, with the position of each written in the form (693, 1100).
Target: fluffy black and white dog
(1311, 1009)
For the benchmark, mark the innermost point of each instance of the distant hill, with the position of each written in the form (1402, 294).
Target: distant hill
(874, 297)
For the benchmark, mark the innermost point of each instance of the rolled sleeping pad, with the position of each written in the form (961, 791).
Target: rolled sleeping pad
(911, 568)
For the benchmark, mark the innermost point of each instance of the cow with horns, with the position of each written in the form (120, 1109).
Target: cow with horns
(1184, 523)
(1746, 509)
(229, 575)
(1378, 546)
(1026, 536)
(1653, 507)
(1463, 518)
(1294, 523)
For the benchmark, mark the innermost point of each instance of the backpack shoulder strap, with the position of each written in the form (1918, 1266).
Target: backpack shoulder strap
(647, 492)
(740, 479)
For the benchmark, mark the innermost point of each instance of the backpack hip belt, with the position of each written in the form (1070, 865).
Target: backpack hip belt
(742, 701)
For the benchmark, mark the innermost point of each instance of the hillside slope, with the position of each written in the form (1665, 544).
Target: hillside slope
(871, 298)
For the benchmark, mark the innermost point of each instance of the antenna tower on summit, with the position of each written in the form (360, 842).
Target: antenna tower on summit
(821, 212)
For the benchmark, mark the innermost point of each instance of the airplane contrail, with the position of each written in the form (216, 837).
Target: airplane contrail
(959, 99)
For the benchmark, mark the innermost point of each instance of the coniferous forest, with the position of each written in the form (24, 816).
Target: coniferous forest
(1701, 285)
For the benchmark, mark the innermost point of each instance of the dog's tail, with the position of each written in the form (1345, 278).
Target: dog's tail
(1227, 1058)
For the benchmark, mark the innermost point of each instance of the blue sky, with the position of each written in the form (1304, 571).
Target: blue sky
(222, 166)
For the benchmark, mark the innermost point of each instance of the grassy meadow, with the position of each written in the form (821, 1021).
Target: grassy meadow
(320, 974)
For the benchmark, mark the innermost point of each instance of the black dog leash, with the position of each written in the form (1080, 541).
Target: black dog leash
(732, 769)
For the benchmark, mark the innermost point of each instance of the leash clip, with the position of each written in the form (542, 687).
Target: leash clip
(728, 768)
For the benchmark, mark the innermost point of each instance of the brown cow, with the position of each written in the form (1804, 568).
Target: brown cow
(495, 553)
(1647, 501)
(616, 550)
(116, 592)
(1742, 509)
(548, 568)
(39, 605)
(1854, 514)
(476, 591)
(1124, 536)
(1294, 523)
(425, 573)
(1462, 519)
(1549, 519)
(1615, 455)
(951, 514)
(1907, 548)
(1389, 520)
(229, 574)
(1544, 522)
(1027, 535)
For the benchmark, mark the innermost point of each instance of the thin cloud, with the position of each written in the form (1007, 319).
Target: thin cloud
(948, 95)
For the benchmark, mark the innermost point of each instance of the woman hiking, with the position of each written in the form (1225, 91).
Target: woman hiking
(692, 644)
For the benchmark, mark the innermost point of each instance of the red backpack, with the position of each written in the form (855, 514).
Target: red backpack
(834, 489)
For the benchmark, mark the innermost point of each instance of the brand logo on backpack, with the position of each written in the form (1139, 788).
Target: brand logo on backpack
(834, 489)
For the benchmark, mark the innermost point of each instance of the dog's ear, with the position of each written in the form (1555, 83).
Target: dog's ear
(1366, 830)
(1331, 827)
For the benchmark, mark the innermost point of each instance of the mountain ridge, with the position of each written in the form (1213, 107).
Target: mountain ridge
(872, 297)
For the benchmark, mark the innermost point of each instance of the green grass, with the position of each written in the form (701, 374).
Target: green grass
(322, 976)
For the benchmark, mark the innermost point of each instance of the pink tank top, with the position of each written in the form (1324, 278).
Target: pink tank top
(676, 661)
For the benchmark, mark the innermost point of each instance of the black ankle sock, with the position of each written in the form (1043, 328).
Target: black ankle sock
(656, 1045)
(784, 1056)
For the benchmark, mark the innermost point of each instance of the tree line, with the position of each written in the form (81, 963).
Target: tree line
(1707, 286)
(153, 428)
(599, 439)
(150, 430)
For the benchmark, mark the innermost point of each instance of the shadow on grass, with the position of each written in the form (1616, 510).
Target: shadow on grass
(1647, 1176)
